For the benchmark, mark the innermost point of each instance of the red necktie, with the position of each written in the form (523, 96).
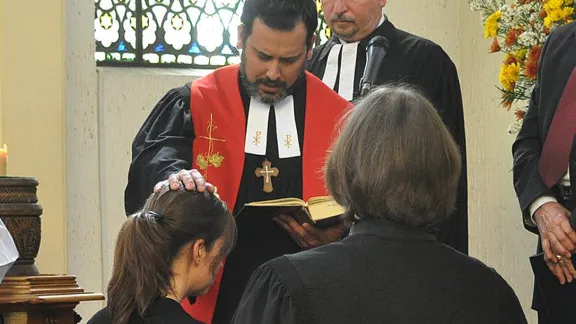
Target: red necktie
(556, 150)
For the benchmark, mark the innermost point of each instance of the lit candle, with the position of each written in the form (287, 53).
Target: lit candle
(3, 160)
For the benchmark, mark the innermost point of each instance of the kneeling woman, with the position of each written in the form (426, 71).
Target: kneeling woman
(172, 249)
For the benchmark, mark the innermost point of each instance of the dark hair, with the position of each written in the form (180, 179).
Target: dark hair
(395, 159)
(281, 15)
(150, 240)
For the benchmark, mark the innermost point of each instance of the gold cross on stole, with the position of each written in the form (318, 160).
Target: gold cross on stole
(267, 172)
(210, 158)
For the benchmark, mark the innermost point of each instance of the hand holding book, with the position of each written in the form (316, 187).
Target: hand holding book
(307, 235)
(310, 223)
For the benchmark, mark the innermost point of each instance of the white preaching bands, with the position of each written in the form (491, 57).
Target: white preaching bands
(347, 71)
(349, 53)
(286, 132)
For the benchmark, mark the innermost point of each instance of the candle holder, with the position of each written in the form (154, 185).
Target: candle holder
(20, 212)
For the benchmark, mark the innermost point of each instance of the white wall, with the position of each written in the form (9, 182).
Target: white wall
(106, 107)
(32, 113)
(126, 97)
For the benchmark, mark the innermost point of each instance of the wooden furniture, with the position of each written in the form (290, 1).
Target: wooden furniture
(26, 297)
(42, 299)
(20, 212)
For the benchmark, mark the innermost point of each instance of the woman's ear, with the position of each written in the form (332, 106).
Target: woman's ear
(198, 251)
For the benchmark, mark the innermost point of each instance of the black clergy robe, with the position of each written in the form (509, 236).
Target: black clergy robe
(164, 146)
(382, 272)
(421, 63)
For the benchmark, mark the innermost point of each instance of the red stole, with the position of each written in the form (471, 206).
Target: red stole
(218, 150)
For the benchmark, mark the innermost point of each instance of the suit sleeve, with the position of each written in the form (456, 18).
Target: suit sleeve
(162, 146)
(526, 151)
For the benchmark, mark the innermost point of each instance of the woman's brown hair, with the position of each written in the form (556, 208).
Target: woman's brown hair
(395, 159)
(149, 241)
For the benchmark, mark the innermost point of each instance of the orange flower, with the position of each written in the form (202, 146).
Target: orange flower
(531, 69)
(542, 14)
(509, 59)
(506, 103)
(495, 47)
(512, 36)
(520, 114)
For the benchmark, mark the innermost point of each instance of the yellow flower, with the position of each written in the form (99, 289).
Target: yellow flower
(509, 75)
(557, 15)
(567, 13)
(551, 5)
(491, 24)
(520, 55)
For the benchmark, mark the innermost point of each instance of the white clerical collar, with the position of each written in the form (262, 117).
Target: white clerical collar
(347, 71)
(286, 131)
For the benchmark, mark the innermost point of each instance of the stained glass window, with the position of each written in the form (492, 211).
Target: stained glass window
(172, 33)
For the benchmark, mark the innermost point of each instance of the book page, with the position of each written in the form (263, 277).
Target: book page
(279, 202)
(324, 209)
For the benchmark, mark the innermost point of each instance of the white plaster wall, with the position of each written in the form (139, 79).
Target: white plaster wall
(82, 152)
(106, 107)
(126, 97)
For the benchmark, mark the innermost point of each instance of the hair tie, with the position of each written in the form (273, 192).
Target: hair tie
(152, 214)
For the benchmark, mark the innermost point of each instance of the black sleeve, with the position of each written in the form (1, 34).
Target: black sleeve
(314, 65)
(162, 146)
(526, 151)
(273, 296)
(510, 310)
(441, 77)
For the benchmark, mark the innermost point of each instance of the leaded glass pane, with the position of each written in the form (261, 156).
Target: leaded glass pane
(115, 39)
(181, 33)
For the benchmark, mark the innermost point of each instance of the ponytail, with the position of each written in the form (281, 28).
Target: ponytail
(140, 247)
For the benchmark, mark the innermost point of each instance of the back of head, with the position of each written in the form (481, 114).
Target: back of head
(282, 15)
(150, 240)
(395, 159)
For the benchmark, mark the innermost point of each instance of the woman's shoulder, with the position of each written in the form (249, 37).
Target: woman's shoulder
(101, 317)
(162, 311)
(166, 310)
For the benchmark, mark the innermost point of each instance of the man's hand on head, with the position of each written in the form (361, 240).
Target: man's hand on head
(190, 179)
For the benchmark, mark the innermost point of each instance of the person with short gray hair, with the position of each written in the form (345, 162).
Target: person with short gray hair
(397, 149)
(395, 168)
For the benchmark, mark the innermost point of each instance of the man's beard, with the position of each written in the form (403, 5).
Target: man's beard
(252, 87)
(342, 18)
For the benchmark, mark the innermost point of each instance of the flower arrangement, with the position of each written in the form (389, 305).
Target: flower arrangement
(518, 30)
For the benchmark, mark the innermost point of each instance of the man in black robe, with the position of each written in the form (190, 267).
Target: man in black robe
(276, 37)
(390, 269)
(340, 63)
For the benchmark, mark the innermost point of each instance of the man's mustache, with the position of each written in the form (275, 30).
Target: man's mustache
(341, 18)
(270, 83)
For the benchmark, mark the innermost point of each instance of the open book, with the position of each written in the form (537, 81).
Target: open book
(320, 211)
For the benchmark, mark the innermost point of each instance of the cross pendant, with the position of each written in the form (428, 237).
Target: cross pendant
(267, 172)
